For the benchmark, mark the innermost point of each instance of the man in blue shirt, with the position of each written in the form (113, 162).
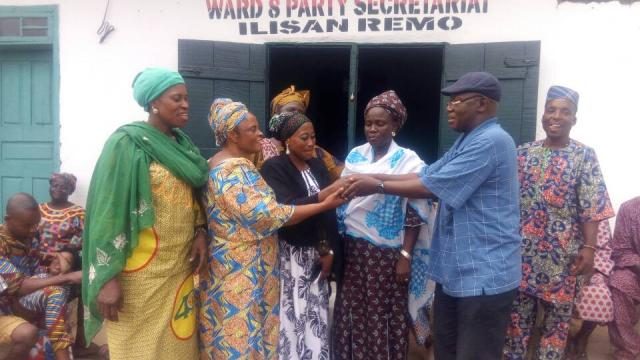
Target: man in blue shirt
(475, 252)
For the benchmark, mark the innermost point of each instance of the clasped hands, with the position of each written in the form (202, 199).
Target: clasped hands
(348, 187)
(359, 185)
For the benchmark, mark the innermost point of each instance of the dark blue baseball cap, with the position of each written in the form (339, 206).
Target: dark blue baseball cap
(477, 82)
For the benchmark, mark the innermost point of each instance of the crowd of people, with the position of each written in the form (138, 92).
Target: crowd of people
(180, 257)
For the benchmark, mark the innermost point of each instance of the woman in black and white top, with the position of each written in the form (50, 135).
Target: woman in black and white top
(306, 249)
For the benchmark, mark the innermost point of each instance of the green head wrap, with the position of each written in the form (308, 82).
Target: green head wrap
(150, 83)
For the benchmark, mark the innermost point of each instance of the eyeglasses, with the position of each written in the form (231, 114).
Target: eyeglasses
(460, 101)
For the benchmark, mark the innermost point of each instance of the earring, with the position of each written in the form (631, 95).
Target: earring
(393, 133)
(154, 110)
(288, 152)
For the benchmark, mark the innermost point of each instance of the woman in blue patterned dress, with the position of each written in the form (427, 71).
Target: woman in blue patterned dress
(385, 250)
(239, 315)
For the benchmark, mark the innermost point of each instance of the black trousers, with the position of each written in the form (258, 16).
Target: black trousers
(471, 327)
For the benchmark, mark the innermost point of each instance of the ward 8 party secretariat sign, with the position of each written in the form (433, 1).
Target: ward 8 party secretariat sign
(270, 17)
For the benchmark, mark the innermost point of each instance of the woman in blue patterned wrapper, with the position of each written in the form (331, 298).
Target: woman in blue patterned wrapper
(240, 292)
(386, 247)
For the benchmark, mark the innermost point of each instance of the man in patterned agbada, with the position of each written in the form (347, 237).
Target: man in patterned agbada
(563, 198)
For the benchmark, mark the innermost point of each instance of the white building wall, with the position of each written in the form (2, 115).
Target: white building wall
(593, 48)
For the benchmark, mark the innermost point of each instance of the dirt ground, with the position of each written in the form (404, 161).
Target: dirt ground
(599, 347)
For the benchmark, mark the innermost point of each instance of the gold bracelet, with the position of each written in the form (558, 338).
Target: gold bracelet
(589, 247)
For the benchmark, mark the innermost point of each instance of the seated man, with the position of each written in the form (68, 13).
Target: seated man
(17, 263)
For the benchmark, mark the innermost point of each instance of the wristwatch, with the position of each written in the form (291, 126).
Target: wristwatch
(380, 187)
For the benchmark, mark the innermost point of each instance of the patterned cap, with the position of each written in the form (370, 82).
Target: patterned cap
(561, 92)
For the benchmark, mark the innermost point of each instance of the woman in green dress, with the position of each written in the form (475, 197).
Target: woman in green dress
(143, 227)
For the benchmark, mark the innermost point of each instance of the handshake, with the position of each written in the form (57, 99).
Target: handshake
(348, 187)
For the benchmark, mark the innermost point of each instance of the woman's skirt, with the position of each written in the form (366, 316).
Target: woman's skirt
(371, 315)
(304, 305)
(157, 320)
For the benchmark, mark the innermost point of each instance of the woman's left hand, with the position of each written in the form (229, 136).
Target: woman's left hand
(334, 200)
(326, 262)
(199, 251)
(403, 270)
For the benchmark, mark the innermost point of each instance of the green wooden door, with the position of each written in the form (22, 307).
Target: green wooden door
(28, 151)
(353, 98)
(215, 69)
(515, 64)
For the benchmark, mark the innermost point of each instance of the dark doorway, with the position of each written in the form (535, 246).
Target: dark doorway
(324, 70)
(415, 73)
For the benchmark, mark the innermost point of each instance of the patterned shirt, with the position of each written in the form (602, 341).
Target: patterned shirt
(625, 276)
(9, 285)
(16, 263)
(60, 228)
(559, 190)
(476, 242)
(626, 239)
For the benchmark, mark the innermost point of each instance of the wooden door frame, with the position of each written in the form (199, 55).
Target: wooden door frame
(50, 42)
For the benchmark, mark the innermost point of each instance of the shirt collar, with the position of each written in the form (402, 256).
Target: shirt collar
(477, 130)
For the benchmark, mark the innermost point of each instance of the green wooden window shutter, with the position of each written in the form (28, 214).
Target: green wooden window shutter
(215, 69)
(515, 64)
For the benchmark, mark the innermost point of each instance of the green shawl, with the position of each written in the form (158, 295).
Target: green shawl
(120, 205)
